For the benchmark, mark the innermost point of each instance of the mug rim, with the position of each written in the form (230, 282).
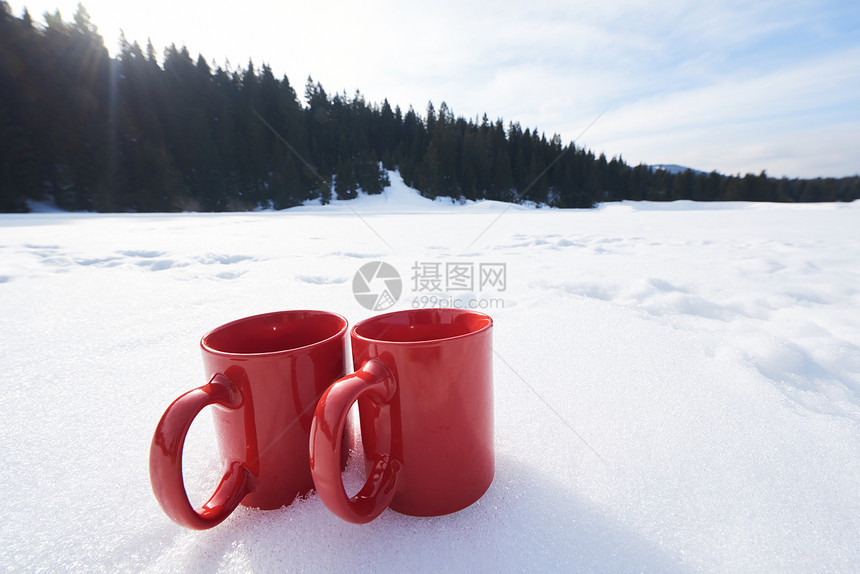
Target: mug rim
(340, 333)
(355, 335)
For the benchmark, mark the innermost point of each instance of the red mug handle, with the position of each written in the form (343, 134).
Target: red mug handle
(373, 381)
(165, 459)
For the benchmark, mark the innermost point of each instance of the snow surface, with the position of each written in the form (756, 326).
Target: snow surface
(677, 385)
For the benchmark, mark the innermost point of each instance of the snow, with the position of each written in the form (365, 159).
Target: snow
(399, 198)
(43, 207)
(677, 385)
(674, 168)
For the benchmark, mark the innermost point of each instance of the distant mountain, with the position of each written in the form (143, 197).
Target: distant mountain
(673, 168)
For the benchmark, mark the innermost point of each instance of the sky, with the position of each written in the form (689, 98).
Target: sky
(733, 86)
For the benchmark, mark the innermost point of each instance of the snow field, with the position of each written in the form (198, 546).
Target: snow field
(677, 385)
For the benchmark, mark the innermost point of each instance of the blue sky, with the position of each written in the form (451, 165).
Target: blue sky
(737, 86)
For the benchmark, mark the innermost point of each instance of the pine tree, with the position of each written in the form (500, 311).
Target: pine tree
(83, 23)
(151, 56)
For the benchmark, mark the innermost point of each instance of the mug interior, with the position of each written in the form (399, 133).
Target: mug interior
(422, 325)
(274, 332)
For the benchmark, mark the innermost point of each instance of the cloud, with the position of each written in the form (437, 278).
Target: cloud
(759, 114)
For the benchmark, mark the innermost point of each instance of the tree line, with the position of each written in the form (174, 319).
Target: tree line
(131, 133)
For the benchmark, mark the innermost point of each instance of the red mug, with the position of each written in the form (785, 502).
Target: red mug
(424, 386)
(266, 374)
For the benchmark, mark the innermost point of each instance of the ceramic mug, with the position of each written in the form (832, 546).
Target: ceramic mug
(266, 374)
(425, 397)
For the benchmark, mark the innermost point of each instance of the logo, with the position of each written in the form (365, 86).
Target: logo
(377, 286)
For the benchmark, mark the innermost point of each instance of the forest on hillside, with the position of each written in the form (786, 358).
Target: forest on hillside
(143, 133)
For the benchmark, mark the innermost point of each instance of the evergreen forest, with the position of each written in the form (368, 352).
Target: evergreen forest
(143, 132)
